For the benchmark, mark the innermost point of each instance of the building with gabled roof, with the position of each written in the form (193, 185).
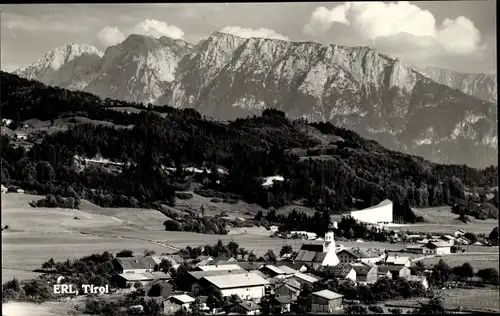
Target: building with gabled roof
(247, 308)
(398, 261)
(324, 301)
(249, 286)
(365, 274)
(230, 266)
(344, 271)
(303, 278)
(134, 264)
(352, 255)
(195, 277)
(437, 248)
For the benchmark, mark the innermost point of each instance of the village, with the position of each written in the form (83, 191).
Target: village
(269, 284)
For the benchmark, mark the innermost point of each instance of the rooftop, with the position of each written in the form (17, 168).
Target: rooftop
(136, 263)
(306, 277)
(287, 269)
(362, 269)
(361, 253)
(201, 274)
(391, 268)
(183, 298)
(249, 305)
(236, 280)
(310, 256)
(220, 267)
(341, 270)
(327, 294)
(273, 269)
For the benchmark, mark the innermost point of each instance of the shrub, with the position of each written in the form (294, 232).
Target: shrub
(184, 195)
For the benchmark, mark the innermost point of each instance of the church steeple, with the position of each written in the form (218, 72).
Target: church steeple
(329, 243)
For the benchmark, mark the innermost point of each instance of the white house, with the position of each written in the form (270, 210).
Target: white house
(249, 286)
(437, 248)
(273, 228)
(398, 261)
(4, 189)
(420, 279)
(449, 239)
(134, 264)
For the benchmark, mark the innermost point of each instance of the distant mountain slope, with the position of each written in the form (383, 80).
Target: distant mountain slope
(71, 66)
(481, 86)
(135, 70)
(354, 87)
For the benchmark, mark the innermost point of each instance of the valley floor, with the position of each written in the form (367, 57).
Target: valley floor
(38, 234)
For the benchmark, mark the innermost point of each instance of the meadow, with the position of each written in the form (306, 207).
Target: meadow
(478, 260)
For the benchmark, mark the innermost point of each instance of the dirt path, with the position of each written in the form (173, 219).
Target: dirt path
(132, 238)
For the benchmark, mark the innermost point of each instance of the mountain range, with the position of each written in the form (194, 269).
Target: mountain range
(444, 116)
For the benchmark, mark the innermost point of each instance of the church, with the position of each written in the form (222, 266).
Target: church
(319, 254)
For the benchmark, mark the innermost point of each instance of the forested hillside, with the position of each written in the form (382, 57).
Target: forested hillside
(326, 167)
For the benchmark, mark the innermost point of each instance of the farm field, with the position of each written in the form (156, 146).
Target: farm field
(477, 299)
(442, 220)
(477, 260)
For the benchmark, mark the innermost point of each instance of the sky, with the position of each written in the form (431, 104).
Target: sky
(457, 35)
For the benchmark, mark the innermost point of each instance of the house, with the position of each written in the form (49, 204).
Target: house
(478, 243)
(4, 189)
(222, 260)
(417, 248)
(319, 254)
(247, 266)
(398, 261)
(249, 286)
(134, 264)
(459, 233)
(272, 271)
(359, 255)
(297, 266)
(273, 228)
(324, 301)
(280, 304)
(177, 302)
(289, 288)
(203, 260)
(365, 274)
(395, 271)
(462, 241)
(219, 267)
(196, 276)
(247, 308)
(287, 270)
(303, 278)
(266, 258)
(167, 288)
(344, 271)
(175, 260)
(420, 279)
(130, 278)
(449, 239)
(437, 248)
(413, 238)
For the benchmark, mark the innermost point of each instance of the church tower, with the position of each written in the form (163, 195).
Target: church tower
(329, 247)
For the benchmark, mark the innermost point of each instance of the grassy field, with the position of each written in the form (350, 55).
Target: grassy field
(442, 220)
(477, 299)
(44, 309)
(477, 260)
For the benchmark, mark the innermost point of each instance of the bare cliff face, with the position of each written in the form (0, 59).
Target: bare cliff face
(379, 97)
(138, 69)
(481, 86)
(71, 66)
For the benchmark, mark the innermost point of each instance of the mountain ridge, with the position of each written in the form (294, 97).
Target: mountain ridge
(227, 76)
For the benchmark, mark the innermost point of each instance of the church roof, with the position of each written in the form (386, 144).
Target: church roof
(312, 247)
(310, 256)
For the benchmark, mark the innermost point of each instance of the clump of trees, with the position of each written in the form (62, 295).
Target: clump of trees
(37, 291)
(57, 201)
(204, 225)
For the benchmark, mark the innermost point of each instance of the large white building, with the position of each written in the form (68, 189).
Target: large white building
(377, 214)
